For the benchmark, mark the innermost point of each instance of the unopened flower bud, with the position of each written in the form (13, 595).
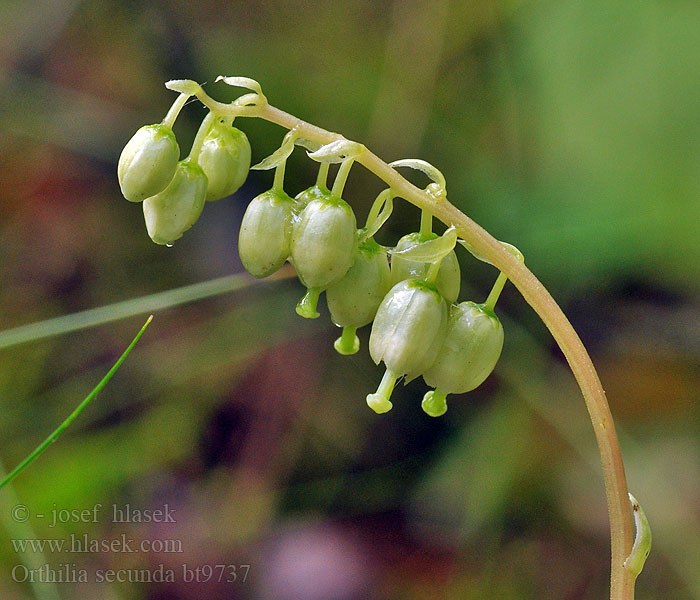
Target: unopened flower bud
(323, 247)
(353, 300)
(225, 159)
(471, 349)
(147, 163)
(448, 278)
(324, 241)
(407, 333)
(266, 233)
(174, 210)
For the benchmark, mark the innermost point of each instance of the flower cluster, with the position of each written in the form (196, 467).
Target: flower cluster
(174, 191)
(408, 292)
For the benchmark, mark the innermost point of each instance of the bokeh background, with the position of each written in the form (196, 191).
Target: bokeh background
(568, 128)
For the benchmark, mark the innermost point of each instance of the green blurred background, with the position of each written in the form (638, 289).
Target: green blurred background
(568, 128)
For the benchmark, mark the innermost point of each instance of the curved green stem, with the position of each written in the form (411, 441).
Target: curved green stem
(40, 449)
(495, 291)
(235, 109)
(535, 294)
(342, 177)
(175, 109)
(278, 181)
(322, 177)
(202, 132)
(381, 210)
(377, 206)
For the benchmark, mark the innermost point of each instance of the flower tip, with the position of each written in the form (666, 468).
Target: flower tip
(306, 307)
(434, 403)
(379, 403)
(347, 348)
(303, 310)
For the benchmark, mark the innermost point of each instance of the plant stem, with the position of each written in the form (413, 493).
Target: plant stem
(535, 294)
(322, 177)
(381, 210)
(495, 291)
(175, 109)
(201, 135)
(426, 223)
(342, 177)
(278, 181)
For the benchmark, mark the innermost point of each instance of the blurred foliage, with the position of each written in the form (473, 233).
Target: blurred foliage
(569, 128)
